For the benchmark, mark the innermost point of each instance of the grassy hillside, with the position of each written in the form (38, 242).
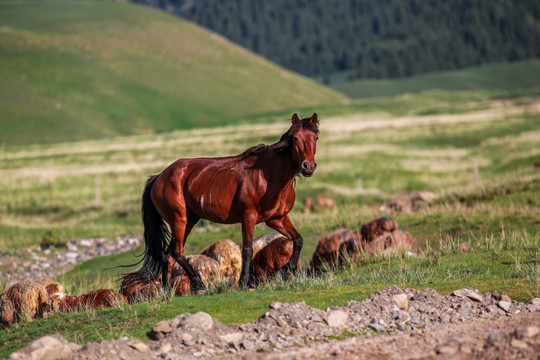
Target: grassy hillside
(506, 76)
(72, 70)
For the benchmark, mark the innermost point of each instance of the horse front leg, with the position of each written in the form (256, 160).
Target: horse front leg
(285, 226)
(248, 227)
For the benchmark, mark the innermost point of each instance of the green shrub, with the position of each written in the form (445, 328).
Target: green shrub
(51, 238)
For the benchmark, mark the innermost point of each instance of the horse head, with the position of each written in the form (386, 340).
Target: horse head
(304, 135)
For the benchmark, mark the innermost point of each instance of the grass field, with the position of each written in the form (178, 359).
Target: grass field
(73, 70)
(369, 151)
(520, 75)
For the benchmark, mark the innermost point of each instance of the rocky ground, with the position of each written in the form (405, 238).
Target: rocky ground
(390, 324)
(35, 263)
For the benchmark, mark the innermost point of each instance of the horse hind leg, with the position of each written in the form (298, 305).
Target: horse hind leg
(180, 231)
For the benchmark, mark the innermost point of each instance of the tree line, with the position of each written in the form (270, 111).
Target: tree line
(372, 38)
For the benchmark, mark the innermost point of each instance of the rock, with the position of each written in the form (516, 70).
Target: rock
(403, 318)
(86, 243)
(401, 301)
(160, 330)
(505, 305)
(469, 293)
(72, 255)
(495, 336)
(200, 320)
(231, 338)
(518, 344)
(139, 346)
(186, 336)
(275, 305)
(530, 331)
(377, 327)
(247, 345)
(188, 342)
(535, 302)
(165, 348)
(50, 347)
(337, 319)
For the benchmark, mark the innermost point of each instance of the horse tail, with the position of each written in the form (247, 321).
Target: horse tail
(156, 235)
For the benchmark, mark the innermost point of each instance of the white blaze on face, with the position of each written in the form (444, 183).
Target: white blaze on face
(202, 201)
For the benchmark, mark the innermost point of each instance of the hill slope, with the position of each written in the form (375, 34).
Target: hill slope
(491, 77)
(74, 70)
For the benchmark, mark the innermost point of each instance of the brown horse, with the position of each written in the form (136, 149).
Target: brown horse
(253, 187)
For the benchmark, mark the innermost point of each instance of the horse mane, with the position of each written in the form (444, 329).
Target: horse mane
(286, 139)
(252, 150)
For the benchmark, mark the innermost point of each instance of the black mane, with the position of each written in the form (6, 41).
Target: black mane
(285, 141)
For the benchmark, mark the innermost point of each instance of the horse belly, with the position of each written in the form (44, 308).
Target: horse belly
(213, 199)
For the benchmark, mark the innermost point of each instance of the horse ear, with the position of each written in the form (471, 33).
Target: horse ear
(295, 120)
(313, 119)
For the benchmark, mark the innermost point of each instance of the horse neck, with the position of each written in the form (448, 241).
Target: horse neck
(287, 165)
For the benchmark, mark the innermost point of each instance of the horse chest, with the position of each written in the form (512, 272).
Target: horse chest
(281, 204)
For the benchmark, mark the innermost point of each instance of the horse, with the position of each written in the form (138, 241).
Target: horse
(253, 187)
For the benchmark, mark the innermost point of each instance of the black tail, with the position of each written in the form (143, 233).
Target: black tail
(156, 238)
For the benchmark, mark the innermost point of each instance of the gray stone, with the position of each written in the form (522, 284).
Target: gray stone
(518, 344)
(337, 319)
(50, 347)
(139, 346)
(469, 293)
(275, 305)
(188, 342)
(496, 336)
(377, 327)
(535, 302)
(505, 305)
(401, 301)
(530, 331)
(199, 320)
(186, 336)
(160, 330)
(165, 348)
(403, 317)
(231, 338)
(72, 255)
(247, 345)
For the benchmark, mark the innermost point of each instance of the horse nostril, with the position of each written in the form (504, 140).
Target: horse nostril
(314, 166)
(305, 165)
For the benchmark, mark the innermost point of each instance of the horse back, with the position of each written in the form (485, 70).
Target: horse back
(220, 190)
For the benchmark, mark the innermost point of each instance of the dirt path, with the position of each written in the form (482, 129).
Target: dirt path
(504, 338)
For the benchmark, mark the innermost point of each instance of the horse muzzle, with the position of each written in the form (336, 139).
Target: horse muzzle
(307, 170)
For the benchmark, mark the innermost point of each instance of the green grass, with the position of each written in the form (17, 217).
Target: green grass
(92, 188)
(453, 270)
(506, 76)
(76, 70)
